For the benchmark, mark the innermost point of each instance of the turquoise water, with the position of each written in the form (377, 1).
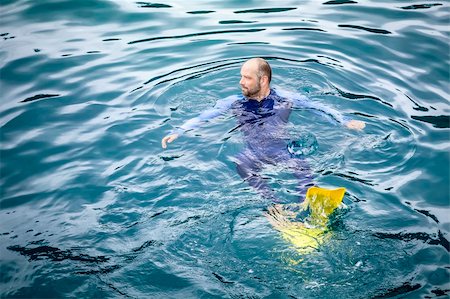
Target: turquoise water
(92, 207)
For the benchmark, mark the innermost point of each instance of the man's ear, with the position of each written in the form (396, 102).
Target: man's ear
(264, 79)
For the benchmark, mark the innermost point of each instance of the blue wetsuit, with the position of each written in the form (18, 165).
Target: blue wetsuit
(263, 124)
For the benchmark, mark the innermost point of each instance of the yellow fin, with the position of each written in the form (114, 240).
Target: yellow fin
(321, 203)
(304, 239)
(307, 236)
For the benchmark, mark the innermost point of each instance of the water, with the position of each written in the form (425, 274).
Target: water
(91, 206)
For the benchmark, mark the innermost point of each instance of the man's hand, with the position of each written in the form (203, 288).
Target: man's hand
(168, 139)
(356, 125)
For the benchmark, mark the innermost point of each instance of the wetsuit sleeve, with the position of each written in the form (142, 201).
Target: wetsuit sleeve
(301, 101)
(221, 107)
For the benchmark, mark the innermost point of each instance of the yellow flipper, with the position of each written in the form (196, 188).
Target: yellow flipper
(321, 203)
(304, 239)
(308, 236)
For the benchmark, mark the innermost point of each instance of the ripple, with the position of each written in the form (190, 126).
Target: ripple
(338, 2)
(303, 28)
(440, 121)
(426, 238)
(200, 12)
(56, 254)
(196, 34)
(153, 5)
(373, 30)
(265, 10)
(421, 6)
(39, 97)
(225, 22)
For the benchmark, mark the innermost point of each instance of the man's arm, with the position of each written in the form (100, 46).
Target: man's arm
(301, 101)
(221, 107)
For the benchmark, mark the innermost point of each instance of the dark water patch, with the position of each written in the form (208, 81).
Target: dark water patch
(133, 224)
(418, 107)
(158, 214)
(443, 241)
(401, 290)
(137, 88)
(170, 158)
(428, 214)
(354, 96)
(440, 293)
(103, 270)
(420, 6)
(440, 121)
(400, 123)
(145, 245)
(235, 22)
(338, 2)
(250, 43)
(152, 5)
(265, 10)
(188, 219)
(200, 12)
(424, 237)
(111, 39)
(195, 34)
(346, 176)
(303, 28)
(5, 36)
(39, 97)
(117, 290)
(55, 254)
(332, 59)
(372, 30)
(221, 278)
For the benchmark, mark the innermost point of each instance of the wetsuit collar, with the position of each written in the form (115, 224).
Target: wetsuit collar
(271, 93)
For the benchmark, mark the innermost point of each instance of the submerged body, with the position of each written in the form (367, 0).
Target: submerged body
(262, 114)
(263, 125)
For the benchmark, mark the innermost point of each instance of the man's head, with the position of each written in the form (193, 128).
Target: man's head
(256, 75)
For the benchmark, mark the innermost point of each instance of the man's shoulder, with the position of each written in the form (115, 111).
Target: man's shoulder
(286, 95)
(282, 93)
(228, 101)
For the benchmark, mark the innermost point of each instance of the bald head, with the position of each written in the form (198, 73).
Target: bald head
(260, 66)
(255, 78)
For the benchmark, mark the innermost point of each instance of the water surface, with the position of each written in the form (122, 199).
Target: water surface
(91, 206)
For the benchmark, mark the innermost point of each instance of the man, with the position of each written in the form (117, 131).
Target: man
(262, 114)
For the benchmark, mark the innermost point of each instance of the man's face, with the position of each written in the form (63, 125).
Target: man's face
(250, 84)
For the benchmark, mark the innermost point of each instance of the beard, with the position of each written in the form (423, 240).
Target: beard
(253, 92)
